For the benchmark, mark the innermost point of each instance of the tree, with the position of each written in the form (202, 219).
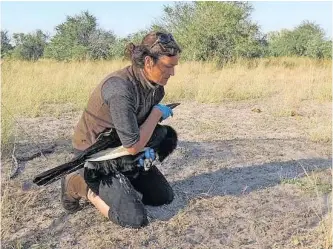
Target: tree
(100, 43)
(118, 48)
(307, 39)
(5, 44)
(281, 43)
(29, 46)
(326, 49)
(79, 38)
(220, 31)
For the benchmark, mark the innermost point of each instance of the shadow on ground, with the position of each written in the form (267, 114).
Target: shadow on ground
(235, 181)
(224, 181)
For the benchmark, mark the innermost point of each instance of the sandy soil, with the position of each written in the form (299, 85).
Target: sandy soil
(232, 173)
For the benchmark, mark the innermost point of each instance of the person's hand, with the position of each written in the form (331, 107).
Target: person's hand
(91, 195)
(147, 159)
(149, 154)
(165, 110)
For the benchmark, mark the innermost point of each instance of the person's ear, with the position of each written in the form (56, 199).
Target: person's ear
(149, 62)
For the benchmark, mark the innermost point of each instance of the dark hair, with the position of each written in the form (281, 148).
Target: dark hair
(137, 53)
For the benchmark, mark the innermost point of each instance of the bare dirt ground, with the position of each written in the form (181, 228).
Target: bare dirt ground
(235, 175)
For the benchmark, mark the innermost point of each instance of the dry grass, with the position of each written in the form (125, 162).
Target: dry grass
(294, 89)
(325, 232)
(316, 183)
(285, 82)
(306, 80)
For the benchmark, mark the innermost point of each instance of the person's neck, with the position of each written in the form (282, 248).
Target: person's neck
(146, 76)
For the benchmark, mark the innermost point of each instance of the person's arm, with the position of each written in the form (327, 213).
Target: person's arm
(146, 131)
(159, 113)
(120, 96)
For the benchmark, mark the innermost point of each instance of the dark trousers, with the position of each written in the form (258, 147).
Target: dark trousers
(126, 206)
(118, 190)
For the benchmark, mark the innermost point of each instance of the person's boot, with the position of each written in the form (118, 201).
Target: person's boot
(73, 188)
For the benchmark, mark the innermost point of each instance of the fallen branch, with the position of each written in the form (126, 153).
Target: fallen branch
(18, 159)
(14, 160)
(36, 154)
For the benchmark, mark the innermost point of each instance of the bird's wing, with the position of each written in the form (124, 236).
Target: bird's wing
(109, 154)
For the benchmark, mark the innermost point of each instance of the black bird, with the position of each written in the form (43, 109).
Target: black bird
(105, 140)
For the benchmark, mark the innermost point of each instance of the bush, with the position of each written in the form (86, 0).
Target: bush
(29, 46)
(220, 31)
(307, 39)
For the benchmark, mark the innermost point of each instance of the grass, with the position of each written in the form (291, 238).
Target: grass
(316, 184)
(325, 232)
(288, 87)
(286, 83)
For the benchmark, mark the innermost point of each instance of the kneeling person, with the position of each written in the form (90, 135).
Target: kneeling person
(127, 103)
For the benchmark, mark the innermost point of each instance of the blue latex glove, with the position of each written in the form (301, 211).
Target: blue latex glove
(166, 111)
(148, 156)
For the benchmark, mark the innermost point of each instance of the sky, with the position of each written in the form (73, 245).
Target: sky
(127, 17)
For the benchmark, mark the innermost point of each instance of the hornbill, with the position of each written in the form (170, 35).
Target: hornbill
(106, 148)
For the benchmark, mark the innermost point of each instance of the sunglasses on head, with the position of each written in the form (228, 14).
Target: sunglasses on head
(163, 39)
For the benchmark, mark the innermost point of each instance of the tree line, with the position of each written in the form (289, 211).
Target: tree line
(219, 31)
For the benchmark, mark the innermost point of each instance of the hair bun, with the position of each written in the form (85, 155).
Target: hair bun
(129, 50)
(131, 46)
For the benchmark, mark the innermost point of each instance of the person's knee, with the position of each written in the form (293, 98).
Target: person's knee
(163, 198)
(126, 208)
(170, 197)
(134, 219)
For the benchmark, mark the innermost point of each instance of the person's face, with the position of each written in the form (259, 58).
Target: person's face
(160, 71)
